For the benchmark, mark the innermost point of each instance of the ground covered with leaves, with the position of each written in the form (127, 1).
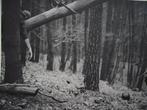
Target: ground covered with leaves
(65, 91)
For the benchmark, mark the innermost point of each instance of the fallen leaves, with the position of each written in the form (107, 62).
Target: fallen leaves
(68, 86)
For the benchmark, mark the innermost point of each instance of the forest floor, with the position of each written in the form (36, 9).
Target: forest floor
(68, 89)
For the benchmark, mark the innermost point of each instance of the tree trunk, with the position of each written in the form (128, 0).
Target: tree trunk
(38, 5)
(18, 89)
(107, 44)
(103, 42)
(57, 13)
(130, 49)
(37, 52)
(74, 58)
(63, 55)
(92, 58)
(86, 25)
(115, 44)
(144, 47)
(73, 64)
(50, 56)
(86, 28)
(74, 50)
(11, 36)
(63, 49)
(68, 51)
(44, 5)
(23, 51)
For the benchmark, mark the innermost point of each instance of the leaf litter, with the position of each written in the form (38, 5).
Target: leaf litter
(70, 87)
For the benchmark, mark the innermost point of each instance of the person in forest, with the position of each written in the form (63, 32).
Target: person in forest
(25, 43)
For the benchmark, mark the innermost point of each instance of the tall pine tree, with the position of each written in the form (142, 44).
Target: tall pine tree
(92, 58)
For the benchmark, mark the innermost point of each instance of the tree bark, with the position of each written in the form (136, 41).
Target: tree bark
(103, 42)
(37, 52)
(57, 13)
(50, 56)
(73, 64)
(130, 44)
(107, 44)
(60, 12)
(86, 28)
(63, 48)
(74, 57)
(144, 49)
(18, 89)
(92, 58)
(11, 37)
(115, 43)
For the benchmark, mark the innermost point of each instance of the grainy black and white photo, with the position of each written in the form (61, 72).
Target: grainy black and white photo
(73, 55)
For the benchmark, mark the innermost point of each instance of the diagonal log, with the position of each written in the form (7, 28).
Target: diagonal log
(58, 12)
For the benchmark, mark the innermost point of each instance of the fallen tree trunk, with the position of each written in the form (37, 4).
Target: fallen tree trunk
(18, 89)
(25, 89)
(60, 12)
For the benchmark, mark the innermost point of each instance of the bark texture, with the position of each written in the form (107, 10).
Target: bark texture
(92, 58)
(11, 35)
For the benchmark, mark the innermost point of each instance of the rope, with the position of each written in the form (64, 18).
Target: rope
(60, 3)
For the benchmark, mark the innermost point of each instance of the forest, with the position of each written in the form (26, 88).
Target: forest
(79, 55)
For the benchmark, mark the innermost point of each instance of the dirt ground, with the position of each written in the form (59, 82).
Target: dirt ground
(65, 91)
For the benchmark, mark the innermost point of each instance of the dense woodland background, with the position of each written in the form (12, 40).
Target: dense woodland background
(96, 58)
(114, 32)
(110, 36)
